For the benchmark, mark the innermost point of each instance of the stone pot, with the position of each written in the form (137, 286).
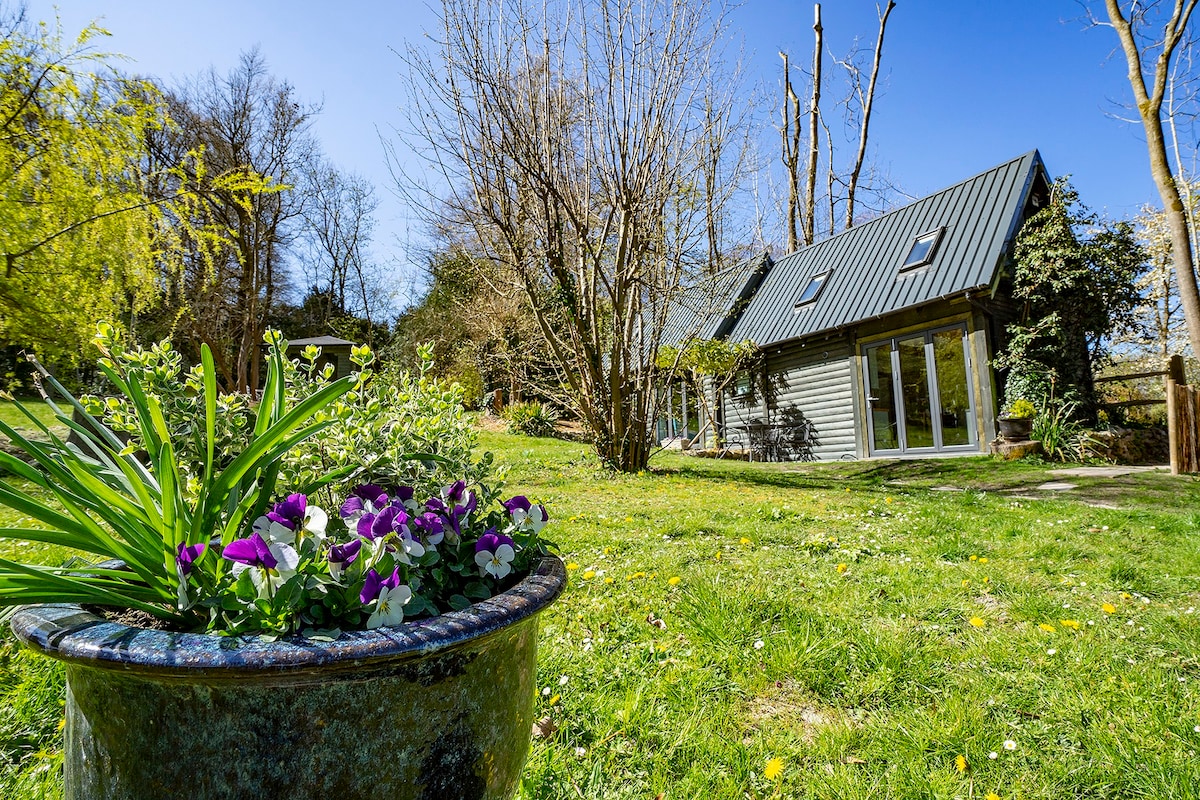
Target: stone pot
(1015, 429)
(435, 709)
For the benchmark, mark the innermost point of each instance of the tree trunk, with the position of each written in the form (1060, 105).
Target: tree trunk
(1149, 105)
(866, 117)
(791, 153)
(814, 120)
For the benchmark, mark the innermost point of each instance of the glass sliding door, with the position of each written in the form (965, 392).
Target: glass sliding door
(919, 396)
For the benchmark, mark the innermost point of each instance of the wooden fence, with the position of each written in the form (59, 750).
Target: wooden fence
(1183, 413)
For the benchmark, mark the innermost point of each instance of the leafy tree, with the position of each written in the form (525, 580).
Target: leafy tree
(1075, 278)
(78, 235)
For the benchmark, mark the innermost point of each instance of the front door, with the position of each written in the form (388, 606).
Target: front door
(919, 397)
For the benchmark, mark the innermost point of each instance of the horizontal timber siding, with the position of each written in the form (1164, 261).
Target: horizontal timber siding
(816, 382)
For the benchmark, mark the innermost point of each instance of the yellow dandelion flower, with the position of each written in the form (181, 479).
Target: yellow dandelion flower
(1047, 627)
(744, 541)
(718, 556)
(987, 580)
(983, 559)
(977, 622)
(992, 796)
(973, 558)
(1109, 608)
(571, 565)
(1126, 595)
(888, 500)
(960, 763)
(774, 768)
(629, 519)
(966, 583)
(608, 580)
(1073, 624)
(608, 551)
(591, 573)
(554, 700)
(841, 568)
(674, 580)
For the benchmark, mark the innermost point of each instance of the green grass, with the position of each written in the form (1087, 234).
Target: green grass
(823, 616)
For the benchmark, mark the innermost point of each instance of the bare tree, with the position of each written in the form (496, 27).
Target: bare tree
(814, 120)
(249, 136)
(1149, 55)
(572, 137)
(790, 132)
(865, 100)
(339, 224)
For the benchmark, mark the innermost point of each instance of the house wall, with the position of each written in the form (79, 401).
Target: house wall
(805, 394)
(819, 381)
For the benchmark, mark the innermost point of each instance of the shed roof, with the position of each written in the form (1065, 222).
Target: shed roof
(320, 341)
(710, 308)
(980, 217)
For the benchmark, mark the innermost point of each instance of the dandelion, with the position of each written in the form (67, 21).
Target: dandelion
(992, 796)
(983, 559)
(841, 568)
(977, 622)
(744, 541)
(774, 768)
(1047, 627)
(1108, 608)
(960, 763)
(1073, 624)
(966, 583)
(973, 558)
(591, 573)
(674, 580)
(608, 580)
(572, 566)
(554, 701)
(1009, 744)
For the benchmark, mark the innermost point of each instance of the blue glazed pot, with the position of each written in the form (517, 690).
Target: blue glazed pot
(436, 709)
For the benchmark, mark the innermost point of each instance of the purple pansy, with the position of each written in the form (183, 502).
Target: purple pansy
(253, 552)
(290, 512)
(525, 513)
(185, 557)
(343, 555)
(494, 553)
(376, 526)
(373, 585)
(429, 527)
(365, 499)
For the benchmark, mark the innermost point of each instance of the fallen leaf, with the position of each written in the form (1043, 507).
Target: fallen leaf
(544, 728)
(656, 622)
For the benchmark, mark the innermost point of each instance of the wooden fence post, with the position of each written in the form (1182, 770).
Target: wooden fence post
(1172, 427)
(1175, 369)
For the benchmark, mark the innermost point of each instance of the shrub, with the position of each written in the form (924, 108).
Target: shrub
(530, 419)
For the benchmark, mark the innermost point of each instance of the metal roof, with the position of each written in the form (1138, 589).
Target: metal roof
(709, 309)
(980, 217)
(319, 341)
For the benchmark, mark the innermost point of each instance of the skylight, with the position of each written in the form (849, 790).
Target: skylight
(923, 248)
(812, 289)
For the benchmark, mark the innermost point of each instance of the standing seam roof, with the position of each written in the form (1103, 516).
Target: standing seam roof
(979, 216)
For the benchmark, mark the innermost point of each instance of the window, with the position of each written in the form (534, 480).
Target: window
(923, 249)
(743, 385)
(812, 289)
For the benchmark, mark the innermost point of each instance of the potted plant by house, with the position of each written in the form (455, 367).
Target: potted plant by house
(1016, 423)
(241, 636)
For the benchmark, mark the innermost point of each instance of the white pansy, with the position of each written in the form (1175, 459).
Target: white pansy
(389, 608)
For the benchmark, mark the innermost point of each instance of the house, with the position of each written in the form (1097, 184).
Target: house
(879, 341)
(334, 351)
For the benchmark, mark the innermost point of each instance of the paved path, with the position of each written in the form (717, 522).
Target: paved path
(1103, 472)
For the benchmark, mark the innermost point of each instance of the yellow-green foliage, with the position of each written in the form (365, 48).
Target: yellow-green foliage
(76, 231)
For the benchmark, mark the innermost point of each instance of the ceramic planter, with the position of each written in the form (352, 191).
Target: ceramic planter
(439, 708)
(1015, 429)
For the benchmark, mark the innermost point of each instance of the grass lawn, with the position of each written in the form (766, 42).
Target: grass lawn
(851, 630)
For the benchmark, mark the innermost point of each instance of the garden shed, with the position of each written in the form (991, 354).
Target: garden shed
(879, 341)
(334, 351)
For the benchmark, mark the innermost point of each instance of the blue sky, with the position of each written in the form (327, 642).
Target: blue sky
(967, 83)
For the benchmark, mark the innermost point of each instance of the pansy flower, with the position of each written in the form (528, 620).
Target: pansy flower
(494, 554)
(185, 557)
(341, 556)
(428, 526)
(274, 559)
(281, 523)
(389, 596)
(365, 499)
(525, 514)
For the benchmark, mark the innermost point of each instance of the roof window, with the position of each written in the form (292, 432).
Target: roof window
(923, 249)
(812, 288)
